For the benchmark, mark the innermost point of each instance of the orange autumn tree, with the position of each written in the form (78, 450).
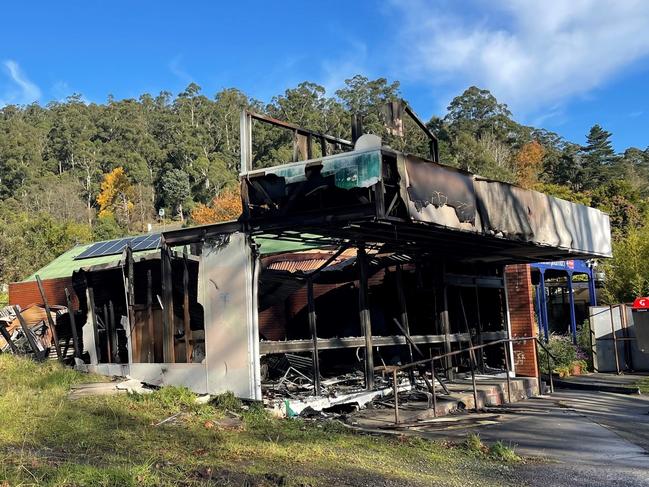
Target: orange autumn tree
(224, 207)
(116, 196)
(528, 163)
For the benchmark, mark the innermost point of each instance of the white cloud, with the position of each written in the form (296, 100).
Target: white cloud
(20, 89)
(177, 70)
(530, 54)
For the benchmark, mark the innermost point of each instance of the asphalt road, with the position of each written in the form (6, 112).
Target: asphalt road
(586, 438)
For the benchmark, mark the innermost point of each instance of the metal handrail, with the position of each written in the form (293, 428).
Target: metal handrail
(431, 361)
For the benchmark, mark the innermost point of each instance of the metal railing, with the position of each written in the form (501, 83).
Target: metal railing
(419, 364)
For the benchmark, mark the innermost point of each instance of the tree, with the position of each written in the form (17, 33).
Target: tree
(477, 111)
(598, 157)
(528, 163)
(176, 191)
(224, 207)
(627, 273)
(116, 196)
(367, 97)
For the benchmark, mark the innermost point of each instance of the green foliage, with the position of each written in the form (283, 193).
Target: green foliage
(226, 402)
(499, 451)
(182, 150)
(175, 189)
(627, 273)
(106, 228)
(504, 453)
(564, 354)
(28, 242)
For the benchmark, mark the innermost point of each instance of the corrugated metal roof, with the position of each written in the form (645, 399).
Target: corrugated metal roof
(64, 265)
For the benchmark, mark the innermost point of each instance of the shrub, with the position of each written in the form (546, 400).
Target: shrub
(565, 354)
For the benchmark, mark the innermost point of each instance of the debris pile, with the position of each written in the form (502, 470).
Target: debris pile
(28, 331)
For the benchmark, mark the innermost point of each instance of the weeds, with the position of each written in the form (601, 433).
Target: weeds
(498, 451)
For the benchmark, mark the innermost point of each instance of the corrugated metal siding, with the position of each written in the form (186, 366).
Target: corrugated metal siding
(26, 293)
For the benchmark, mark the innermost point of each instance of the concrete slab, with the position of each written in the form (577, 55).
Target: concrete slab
(621, 384)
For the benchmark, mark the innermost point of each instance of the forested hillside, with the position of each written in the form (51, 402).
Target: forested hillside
(73, 172)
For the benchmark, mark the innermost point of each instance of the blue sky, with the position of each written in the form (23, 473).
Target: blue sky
(561, 65)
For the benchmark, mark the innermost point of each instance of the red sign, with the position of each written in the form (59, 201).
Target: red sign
(641, 303)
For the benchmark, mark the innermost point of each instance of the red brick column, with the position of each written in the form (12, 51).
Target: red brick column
(521, 317)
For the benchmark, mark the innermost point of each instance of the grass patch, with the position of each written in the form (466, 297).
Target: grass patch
(47, 439)
(498, 451)
(643, 385)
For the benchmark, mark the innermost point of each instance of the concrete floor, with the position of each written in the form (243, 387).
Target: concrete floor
(591, 438)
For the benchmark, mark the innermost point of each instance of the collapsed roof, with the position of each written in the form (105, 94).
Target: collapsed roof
(376, 194)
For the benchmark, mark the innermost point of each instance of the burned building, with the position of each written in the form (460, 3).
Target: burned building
(352, 258)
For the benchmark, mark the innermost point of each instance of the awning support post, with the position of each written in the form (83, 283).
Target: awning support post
(314, 337)
(571, 297)
(366, 322)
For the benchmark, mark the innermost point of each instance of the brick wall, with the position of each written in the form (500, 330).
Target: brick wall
(272, 321)
(521, 315)
(26, 293)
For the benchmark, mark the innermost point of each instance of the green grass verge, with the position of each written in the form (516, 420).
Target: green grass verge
(643, 385)
(47, 439)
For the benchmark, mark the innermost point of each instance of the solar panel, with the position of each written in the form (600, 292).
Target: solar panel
(115, 247)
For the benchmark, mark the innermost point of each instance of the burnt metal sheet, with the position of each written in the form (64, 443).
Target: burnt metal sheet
(458, 200)
(521, 214)
(437, 194)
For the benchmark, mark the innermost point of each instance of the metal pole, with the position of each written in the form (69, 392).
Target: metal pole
(365, 319)
(544, 307)
(550, 374)
(538, 310)
(617, 358)
(509, 379)
(475, 389)
(571, 299)
(538, 367)
(314, 337)
(432, 372)
(396, 396)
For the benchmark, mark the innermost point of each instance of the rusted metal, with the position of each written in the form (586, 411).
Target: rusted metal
(50, 321)
(509, 379)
